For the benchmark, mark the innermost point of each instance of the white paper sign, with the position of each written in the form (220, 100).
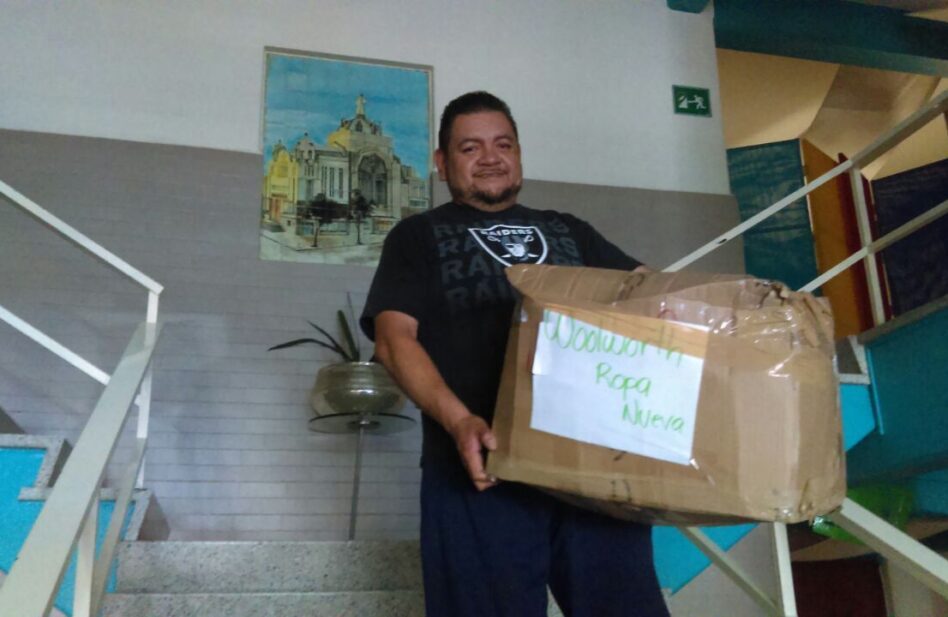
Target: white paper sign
(599, 387)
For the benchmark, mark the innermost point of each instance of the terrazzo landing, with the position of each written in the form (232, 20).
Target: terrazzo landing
(408, 603)
(219, 567)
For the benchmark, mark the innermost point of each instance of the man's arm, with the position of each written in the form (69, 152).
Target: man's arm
(398, 349)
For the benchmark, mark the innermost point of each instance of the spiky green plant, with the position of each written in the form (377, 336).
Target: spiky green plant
(348, 350)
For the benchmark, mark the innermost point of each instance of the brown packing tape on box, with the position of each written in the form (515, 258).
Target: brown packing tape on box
(767, 437)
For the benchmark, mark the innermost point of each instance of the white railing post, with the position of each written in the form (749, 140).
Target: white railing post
(54, 346)
(123, 499)
(877, 245)
(916, 559)
(79, 238)
(85, 563)
(729, 235)
(151, 314)
(732, 570)
(144, 410)
(144, 392)
(865, 239)
(781, 545)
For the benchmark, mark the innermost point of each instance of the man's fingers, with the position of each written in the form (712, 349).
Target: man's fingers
(484, 485)
(472, 435)
(489, 441)
(474, 463)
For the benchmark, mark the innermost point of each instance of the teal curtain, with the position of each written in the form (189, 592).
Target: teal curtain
(780, 248)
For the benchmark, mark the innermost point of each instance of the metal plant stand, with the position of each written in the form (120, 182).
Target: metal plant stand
(358, 398)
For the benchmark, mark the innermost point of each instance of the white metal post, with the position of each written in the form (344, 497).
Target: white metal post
(901, 549)
(123, 499)
(144, 411)
(788, 601)
(151, 315)
(79, 238)
(85, 563)
(865, 239)
(144, 392)
(729, 235)
(877, 245)
(60, 350)
(731, 568)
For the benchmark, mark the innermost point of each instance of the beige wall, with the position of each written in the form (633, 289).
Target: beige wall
(768, 98)
(928, 145)
(840, 109)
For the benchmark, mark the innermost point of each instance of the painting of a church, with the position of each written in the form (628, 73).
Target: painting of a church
(332, 193)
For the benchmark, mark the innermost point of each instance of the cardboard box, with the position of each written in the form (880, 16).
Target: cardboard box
(765, 431)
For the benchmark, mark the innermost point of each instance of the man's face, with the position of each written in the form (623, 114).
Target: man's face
(482, 162)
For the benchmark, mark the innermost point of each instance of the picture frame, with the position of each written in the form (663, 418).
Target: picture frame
(347, 154)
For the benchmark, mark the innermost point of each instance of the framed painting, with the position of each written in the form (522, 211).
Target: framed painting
(347, 146)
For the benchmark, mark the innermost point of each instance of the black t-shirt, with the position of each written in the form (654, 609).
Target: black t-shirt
(445, 267)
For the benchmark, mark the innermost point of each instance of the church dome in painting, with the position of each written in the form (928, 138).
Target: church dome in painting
(360, 123)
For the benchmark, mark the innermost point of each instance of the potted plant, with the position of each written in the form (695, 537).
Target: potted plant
(351, 386)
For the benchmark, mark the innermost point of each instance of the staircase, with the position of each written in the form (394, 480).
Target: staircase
(333, 579)
(279, 579)
(231, 579)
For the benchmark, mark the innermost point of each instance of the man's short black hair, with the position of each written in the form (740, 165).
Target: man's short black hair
(470, 103)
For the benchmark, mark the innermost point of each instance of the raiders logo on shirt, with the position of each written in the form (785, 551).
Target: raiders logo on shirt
(512, 244)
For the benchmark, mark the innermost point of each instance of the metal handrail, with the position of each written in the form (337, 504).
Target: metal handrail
(83, 241)
(929, 216)
(69, 518)
(937, 106)
(919, 561)
(71, 510)
(77, 237)
(54, 346)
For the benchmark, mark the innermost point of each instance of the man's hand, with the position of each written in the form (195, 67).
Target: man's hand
(471, 435)
(397, 347)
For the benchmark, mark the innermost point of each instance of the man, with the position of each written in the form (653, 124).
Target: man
(439, 311)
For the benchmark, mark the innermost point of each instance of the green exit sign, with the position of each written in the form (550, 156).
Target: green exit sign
(692, 101)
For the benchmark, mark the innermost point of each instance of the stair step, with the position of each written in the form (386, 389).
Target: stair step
(222, 567)
(400, 603)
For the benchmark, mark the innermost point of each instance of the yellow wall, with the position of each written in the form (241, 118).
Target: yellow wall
(928, 145)
(840, 109)
(768, 98)
(864, 104)
(835, 238)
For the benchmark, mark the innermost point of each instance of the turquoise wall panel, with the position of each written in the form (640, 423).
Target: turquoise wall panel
(909, 371)
(858, 414)
(18, 469)
(677, 561)
(931, 493)
(781, 247)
